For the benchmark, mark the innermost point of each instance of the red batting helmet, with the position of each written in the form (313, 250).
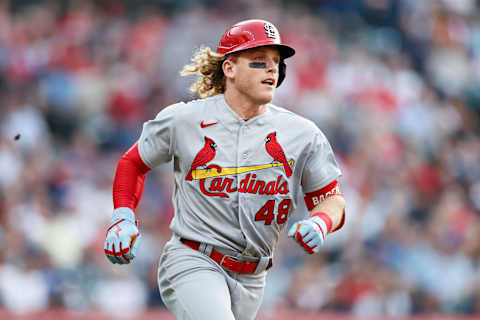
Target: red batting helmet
(251, 34)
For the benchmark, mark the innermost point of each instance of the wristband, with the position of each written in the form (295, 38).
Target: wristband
(325, 218)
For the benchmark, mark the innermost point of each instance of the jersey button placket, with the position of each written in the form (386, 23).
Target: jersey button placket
(238, 157)
(241, 156)
(244, 132)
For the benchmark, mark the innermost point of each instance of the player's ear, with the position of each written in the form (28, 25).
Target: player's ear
(228, 68)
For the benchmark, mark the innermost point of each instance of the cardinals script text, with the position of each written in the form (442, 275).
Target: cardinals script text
(220, 186)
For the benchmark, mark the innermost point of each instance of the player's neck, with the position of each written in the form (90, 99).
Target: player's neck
(244, 107)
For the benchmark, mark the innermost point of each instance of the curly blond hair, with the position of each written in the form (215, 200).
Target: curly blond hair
(208, 65)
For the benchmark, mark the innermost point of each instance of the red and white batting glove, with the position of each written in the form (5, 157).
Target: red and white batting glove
(311, 233)
(122, 237)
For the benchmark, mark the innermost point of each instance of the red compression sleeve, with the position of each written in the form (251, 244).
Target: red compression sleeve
(129, 179)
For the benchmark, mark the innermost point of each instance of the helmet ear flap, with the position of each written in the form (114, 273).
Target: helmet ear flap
(282, 69)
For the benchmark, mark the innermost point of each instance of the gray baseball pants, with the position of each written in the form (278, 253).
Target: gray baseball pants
(194, 287)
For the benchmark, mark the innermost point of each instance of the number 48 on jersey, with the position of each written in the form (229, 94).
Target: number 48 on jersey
(266, 213)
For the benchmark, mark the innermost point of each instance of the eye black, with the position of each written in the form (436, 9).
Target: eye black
(257, 65)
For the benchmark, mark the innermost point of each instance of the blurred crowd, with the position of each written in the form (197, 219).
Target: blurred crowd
(394, 85)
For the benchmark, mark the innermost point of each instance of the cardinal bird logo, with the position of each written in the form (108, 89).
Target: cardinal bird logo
(205, 155)
(275, 150)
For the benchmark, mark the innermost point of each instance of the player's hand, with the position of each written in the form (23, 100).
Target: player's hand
(122, 237)
(309, 233)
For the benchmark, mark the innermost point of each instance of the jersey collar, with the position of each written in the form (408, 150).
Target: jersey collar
(232, 120)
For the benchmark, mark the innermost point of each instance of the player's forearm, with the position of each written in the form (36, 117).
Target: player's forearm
(129, 179)
(333, 207)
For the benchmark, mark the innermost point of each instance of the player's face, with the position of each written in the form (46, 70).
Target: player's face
(256, 74)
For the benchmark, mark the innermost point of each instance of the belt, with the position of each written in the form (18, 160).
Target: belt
(226, 261)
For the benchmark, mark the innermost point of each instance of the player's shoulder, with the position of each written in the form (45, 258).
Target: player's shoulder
(184, 110)
(192, 107)
(200, 106)
(292, 119)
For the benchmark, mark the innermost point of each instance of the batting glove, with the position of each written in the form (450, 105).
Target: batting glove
(122, 237)
(311, 233)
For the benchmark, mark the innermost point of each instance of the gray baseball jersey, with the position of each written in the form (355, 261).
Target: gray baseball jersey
(236, 181)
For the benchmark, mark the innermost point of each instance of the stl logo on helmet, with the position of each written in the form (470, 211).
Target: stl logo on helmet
(271, 31)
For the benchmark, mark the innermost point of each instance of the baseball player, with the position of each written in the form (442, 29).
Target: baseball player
(238, 161)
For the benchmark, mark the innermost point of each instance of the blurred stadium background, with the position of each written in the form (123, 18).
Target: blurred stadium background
(394, 84)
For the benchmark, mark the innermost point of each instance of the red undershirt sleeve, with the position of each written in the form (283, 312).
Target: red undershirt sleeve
(129, 179)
